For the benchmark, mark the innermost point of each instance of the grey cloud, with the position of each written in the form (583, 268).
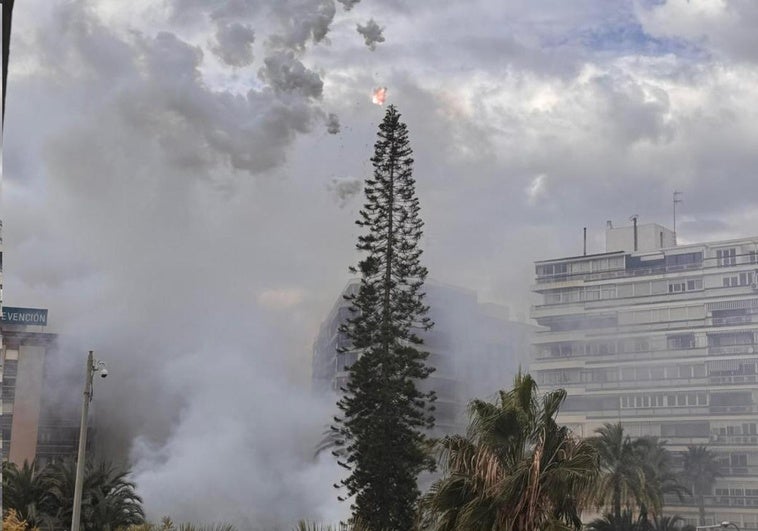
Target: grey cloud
(348, 4)
(234, 43)
(302, 21)
(236, 9)
(286, 74)
(372, 33)
(727, 31)
(631, 113)
(192, 11)
(332, 124)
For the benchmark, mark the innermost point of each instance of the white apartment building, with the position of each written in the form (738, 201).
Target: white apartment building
(663, 338)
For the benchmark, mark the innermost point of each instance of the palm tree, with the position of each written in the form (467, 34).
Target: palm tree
(12, 522)
(700, 472)
(109, 500)
(624, 521)
(516, 468)
(667, 523)
(621, 480)
(659, 478)
(633, 472)
(168, 525)
(25, 490)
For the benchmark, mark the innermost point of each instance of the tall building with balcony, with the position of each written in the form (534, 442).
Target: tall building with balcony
(475, 349)
(661, 337)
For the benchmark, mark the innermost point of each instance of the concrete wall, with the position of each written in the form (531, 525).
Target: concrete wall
(26, 406)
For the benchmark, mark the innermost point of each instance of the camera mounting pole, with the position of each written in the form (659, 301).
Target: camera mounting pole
(93, 366)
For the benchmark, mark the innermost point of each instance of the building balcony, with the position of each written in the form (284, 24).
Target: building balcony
(652, 385)
(736, 379)
(648, 412)
(616, 273)
(712, 501)
(727, 410)
(733, 440)
(731, 349)
(734, 320)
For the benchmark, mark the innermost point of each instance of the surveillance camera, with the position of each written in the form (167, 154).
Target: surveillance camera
(103, 373)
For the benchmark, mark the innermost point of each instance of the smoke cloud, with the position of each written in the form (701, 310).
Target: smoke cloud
(348, 4)
(332, 124)
(372, 33)
(287, 75)
(155, 164)
(345, 189)
(176, 213)
(234, 43)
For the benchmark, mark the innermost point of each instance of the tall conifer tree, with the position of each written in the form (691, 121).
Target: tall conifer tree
(383, 412)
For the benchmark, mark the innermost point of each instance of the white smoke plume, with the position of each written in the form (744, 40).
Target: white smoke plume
(234, 43)
(155, 165)
(344, 190)
(332, 124)
(372, 33)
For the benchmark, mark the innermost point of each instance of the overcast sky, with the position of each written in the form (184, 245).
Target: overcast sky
(180, 181)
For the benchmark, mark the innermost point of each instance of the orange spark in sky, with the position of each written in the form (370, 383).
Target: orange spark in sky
(380, 94)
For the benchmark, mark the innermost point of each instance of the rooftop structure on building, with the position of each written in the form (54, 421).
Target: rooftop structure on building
(661, 337)
(474, 347)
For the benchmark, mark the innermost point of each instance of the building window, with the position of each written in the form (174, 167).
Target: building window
(681, 341)
(726, 257)
(680, 286)
(753, 257)
(677, 287)
(730, 282)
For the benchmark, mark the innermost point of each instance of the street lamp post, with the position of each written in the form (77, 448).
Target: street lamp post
(93, 366)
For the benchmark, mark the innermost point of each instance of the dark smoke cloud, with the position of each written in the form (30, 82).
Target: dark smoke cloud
(302, 21)
(234, 43)
(332, 124)
(372, 33)
(348, 4)
(287, 75)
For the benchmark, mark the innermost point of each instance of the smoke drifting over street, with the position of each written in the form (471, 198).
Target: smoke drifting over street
(169, 193)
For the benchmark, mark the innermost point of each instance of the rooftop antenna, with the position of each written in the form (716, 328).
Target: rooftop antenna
(585, 241)
(676, 199)
(634, 219)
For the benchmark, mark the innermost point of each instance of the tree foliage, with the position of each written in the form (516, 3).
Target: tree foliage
(700, 472)
(516, 468)
(44, 496)
(13, 522)
(635, 474)
(26, 491)
(380, 432)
